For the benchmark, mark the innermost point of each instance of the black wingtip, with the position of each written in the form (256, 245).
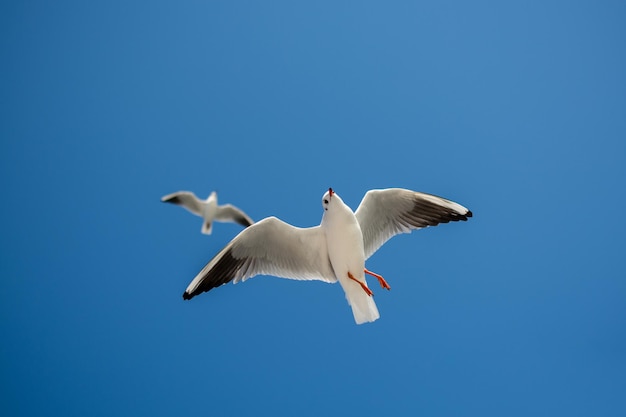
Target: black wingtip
(174, 200)
(187, 296)
(469, 213)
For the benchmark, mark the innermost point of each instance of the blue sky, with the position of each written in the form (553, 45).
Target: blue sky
(516, 110)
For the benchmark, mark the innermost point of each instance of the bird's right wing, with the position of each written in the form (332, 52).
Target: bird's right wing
(383, 214)
(269, 247)
(186, 199)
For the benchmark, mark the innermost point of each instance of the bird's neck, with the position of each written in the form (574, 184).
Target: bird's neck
(340, 216)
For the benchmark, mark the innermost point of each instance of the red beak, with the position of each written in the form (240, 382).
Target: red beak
(331, 192)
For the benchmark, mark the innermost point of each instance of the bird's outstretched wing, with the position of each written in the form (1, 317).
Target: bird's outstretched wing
(187, 199)
(268, 247)
(230, 213)
(383, 214)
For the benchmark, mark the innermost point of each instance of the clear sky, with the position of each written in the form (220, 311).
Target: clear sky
(516, 110)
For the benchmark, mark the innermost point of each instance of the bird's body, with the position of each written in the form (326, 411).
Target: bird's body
(344, 240)
(335, 250)
(208, 209)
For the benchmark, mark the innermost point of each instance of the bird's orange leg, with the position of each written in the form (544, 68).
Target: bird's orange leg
(367, 290)
(380, 279)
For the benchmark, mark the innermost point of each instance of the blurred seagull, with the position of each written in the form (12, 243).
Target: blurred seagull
(208, 209)
(335, 250)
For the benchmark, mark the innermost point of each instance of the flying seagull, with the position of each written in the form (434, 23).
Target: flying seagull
(208, 209)
(335, 250)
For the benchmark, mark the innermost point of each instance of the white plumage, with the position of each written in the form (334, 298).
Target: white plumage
(335, 250)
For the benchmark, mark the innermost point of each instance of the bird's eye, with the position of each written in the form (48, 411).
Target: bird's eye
(325, 201)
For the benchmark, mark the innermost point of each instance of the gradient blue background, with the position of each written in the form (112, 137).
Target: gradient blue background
(517, 111)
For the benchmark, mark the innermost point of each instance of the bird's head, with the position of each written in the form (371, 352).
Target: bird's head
(327, 198)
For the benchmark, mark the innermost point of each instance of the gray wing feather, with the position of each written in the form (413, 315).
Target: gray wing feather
(383, 214)
(268, 247)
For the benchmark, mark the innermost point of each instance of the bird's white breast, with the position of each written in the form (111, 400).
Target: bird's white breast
(345, 242)
(209, 208)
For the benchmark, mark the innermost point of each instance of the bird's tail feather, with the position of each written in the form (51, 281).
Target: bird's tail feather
(363, 306)
(207, 227)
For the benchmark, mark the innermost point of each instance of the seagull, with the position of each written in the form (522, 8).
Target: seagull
(336, 250)
(208, 209)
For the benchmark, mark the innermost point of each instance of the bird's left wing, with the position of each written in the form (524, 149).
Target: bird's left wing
(268, 247)
(383, 214)
(230, 213)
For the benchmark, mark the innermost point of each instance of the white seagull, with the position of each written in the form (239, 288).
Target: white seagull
(208, 209)
(335, 250)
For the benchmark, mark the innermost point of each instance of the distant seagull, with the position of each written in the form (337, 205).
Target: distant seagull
(208, 209)
(335, 250)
